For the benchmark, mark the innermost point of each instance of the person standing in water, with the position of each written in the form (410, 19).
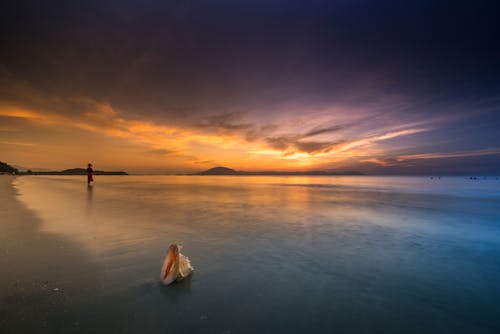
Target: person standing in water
(90, 174)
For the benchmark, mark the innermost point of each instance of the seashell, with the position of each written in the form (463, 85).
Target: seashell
(175, 266)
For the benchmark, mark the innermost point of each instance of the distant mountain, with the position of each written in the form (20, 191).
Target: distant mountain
(220, 171)
(229, 171)
(6, 168)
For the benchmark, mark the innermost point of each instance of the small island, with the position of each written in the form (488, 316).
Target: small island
(229, 171)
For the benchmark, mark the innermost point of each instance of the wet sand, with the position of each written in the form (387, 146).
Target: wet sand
(48, 284)
(44, 277)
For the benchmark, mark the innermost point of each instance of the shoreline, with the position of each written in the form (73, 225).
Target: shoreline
(43, 274)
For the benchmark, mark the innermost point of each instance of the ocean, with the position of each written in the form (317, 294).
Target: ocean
(271, 254)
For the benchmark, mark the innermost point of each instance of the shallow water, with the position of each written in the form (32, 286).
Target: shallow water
(279, 254)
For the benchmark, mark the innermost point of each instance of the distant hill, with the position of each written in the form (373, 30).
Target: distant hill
(220, 171)
(78, 171)
(229, 171)
(6, 168)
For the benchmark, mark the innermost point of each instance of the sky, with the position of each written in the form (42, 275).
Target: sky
(381, 87)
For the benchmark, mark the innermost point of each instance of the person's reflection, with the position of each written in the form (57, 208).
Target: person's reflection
(90, 194)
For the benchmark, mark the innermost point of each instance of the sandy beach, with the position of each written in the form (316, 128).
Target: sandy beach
(43, 276)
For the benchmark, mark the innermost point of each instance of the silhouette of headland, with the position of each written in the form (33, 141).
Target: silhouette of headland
(78, 171)
(8, 169)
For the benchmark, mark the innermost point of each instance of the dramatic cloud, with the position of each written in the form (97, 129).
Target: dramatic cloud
(442, 155)
(176, 86)
(224, 122)
(320, 131)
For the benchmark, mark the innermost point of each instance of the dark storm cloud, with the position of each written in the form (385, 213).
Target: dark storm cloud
(164, 56)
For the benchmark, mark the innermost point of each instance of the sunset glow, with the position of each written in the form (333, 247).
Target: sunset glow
(301, 100)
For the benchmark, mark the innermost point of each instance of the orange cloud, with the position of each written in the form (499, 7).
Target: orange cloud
(232, 145)
(19, 113)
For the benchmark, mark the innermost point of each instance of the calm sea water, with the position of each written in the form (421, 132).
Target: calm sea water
(279, 254)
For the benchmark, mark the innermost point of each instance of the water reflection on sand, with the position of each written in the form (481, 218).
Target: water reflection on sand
(289, 254)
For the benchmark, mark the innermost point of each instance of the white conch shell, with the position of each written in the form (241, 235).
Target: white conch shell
(176, 266)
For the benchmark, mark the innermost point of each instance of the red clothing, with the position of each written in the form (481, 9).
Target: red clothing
(90, 174)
